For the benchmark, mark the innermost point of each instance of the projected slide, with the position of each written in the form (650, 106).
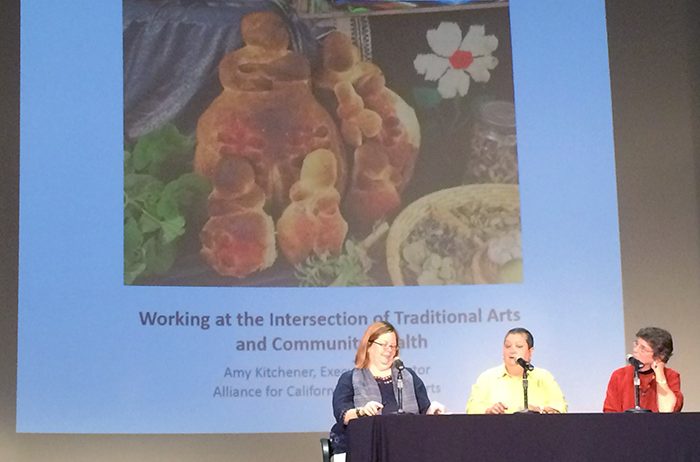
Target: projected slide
(218, 197)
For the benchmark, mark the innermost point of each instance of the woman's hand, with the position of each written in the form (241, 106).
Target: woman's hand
(372, 408)
(436, 408)
(497, 408)
(544, 410)
(659, 368)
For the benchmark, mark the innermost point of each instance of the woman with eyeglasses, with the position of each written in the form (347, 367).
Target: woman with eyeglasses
(660, 386)
(371, 387)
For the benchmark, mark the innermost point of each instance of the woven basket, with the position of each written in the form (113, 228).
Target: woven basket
(504, 195)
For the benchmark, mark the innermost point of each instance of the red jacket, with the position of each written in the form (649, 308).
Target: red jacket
(620, 394)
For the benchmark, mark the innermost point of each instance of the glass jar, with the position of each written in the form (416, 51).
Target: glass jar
(492, 155)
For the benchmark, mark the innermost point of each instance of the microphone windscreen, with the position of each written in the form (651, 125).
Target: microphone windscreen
(634, 362)
(524, 364)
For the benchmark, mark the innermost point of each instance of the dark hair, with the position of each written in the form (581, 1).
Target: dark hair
(371, 334)
(659, 339)
(521, 330)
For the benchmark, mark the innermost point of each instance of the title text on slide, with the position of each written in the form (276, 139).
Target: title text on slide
(398, 317)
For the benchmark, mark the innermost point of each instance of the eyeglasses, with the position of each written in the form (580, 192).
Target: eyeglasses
(641, 347)
(385, 346)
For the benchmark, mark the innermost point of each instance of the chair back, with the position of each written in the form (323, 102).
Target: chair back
(326, 449)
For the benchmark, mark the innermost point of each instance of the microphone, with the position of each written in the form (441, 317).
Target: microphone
(637, 364)
(398, 364)
(524, 364)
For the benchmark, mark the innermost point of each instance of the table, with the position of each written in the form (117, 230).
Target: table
(565, 437)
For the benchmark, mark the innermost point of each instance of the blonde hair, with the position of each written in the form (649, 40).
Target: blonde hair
(371, 334)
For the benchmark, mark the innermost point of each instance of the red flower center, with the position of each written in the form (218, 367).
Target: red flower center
(461, 59)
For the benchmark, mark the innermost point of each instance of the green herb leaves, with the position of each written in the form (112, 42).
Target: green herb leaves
(351, 268)
(161, 197)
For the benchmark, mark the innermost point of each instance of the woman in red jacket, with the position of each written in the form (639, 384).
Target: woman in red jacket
(660, 386)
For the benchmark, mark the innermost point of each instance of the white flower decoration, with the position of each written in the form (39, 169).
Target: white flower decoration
(455, 59)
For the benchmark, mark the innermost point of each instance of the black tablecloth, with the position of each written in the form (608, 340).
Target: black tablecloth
(566, 437)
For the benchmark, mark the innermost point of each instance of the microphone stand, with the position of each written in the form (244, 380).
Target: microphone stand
(526, 409)
(637, 409)
(399, 391)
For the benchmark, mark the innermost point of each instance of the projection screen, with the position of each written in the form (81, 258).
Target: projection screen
(210, 216)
